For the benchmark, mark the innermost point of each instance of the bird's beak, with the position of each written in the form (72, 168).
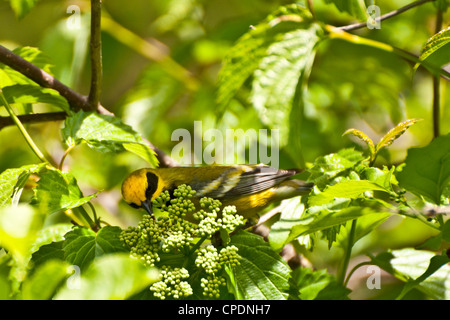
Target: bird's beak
(147, 207)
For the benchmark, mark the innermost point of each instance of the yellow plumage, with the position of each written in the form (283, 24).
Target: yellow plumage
(250, 188)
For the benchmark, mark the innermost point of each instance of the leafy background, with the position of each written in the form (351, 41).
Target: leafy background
(175, 82)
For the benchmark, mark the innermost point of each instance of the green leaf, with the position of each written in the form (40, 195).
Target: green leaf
(427, 171)
(278, 236)
(318, 285)
(355, 8)
(12, 182)
(363, 137)
(46, 252)
(110, 277)
(105, 134)
(281, 74)
(394, 134)
(349, 189)
(26, 93)
(258, 48)
(82, 246)
(22, 7)
(57, 190)
(262, 273)
(424, 270)
(436, 49)
(45, 281)
(327, 167)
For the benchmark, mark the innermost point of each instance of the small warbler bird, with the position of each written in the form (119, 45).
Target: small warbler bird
(248, 187)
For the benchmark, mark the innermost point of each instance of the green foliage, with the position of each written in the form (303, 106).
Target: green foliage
(435, 51)
(355, 8)
(65, 234)
(105, 134)
(258, 264)
(427, 171)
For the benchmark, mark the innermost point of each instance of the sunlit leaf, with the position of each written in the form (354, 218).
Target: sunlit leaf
(105, 134)
(57, 190)
(436, 49)
(25, 93)
(349, 189)
(363, 137)
(421, 269)
(313, 223)
(395, 133)
(12, 182)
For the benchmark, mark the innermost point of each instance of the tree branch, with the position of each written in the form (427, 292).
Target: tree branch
(385, 16)
(75, 100)
(42, 78)
(33, 118)
(95, 54)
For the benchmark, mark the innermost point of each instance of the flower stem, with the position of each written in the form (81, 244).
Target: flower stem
(22, 129)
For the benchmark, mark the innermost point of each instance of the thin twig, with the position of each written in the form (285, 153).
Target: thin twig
(388, 15)
(437, 84)
(33, 118)
(95, 54)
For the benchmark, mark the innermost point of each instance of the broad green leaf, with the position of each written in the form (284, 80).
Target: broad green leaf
(328, 167)
(57, 190)
(19, 226)
(26, 93)
(82, 246)
(46, 252)
(421, 269)
(111, 277)
(45, 281)
(394, 134)
(427, 171)
(262, 274)
(22, 7)
(280, 76)
(318, 285)
(384, 178)
(349, 189)
(12, 182)
(436, 49)
(105, 134)
(249, 51)
(363, 137)
(355, 8)
(278, 236)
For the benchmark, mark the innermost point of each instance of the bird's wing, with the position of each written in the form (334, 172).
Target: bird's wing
(245, 180)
